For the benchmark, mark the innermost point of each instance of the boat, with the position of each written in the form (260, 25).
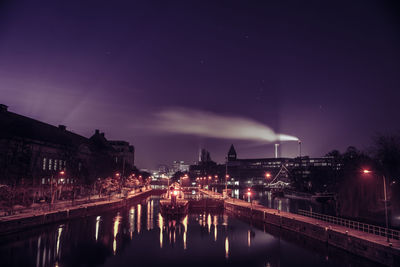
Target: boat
(172, 203)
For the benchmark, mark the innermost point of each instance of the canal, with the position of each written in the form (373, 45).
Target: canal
(139, 236)
(288, 204)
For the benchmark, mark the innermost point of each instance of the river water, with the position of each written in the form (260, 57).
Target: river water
(140, 236)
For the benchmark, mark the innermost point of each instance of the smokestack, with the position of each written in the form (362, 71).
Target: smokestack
(276, 150)
(299, 149)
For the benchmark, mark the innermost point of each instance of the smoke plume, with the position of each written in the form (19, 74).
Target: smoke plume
(207, 124)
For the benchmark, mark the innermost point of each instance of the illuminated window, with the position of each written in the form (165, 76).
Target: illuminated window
(44, 164)
(50, 164)
(55, 164)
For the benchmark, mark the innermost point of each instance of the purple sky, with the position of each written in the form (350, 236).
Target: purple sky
(327, 72)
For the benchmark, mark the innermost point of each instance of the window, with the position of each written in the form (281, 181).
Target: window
(50, 164)
(55, 164)
(44, 163)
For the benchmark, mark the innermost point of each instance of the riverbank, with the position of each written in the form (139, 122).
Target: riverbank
(367, 245)
(19, 222)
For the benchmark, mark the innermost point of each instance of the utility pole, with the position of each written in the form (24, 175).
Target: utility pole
(226, 177)
(386, 211)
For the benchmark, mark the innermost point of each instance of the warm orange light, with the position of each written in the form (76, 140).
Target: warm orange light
(227, 176)
(117, 174)
(175, 193)
(249, 193)
(366, 171)
(268, 175)
(62, 172)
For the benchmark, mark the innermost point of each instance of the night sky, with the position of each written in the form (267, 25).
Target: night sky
(327, 72)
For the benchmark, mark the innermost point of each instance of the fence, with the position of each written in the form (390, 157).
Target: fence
(364, 227)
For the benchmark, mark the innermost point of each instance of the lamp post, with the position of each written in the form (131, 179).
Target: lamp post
(226, 177)
(251, 202)
(117, 175)
(366, 172)
(267, 175)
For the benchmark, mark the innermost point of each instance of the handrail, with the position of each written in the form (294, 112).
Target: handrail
(364, 227)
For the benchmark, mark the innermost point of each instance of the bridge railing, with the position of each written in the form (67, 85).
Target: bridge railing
(364, 227)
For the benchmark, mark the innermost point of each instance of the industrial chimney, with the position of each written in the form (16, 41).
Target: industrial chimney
(276, 150)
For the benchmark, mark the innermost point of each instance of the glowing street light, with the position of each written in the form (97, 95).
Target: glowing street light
(366, 171)
(267, 175)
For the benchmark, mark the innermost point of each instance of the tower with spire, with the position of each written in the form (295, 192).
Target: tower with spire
(232, 156)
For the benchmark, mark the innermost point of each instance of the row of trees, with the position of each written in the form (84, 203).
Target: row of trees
(360, 194)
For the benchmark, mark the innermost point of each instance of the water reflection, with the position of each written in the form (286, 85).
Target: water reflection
(226, 247)
(150, 212)
(185, 223)
(117, 221)
(209, 222)
(98, 218)
(60, 229)
(131, 221)
(206, 238)
(248, 238)
(215, 227)
(38, 251)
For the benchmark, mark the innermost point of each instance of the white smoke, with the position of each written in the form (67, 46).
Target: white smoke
(207, 124)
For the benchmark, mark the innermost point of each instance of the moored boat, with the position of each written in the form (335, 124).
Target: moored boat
(173, 203)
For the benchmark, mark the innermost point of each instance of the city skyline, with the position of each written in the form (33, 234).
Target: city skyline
(326, 73)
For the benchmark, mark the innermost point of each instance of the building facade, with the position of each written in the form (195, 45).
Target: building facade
(34, 152)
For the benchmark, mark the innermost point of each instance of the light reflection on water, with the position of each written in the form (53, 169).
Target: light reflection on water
(282, 203)
(127, 237)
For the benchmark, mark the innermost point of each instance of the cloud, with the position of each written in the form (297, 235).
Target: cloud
(207, 124)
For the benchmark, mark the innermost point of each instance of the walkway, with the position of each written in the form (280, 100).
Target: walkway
(381, 240)
(68, 205)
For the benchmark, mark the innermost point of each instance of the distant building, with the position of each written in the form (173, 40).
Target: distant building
(33, 152)
(262, 170)
(206, 167)
(179, 166)
(124, 154)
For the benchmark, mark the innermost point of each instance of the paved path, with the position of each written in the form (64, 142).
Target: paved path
(334, 227)
(67, 205)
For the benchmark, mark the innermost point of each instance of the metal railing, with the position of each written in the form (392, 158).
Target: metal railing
(364, 227)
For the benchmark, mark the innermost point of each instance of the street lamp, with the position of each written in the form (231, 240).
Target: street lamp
(226, 184)
(249, 198)
(365, 172)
